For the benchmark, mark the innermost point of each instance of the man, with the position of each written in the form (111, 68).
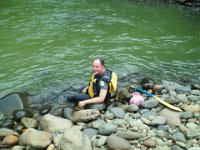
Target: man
(99, 88)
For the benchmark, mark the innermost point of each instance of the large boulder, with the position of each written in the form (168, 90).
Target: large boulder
(52, 123)
(13, 102)
(36, 139)
(85, 115)
(74, 139)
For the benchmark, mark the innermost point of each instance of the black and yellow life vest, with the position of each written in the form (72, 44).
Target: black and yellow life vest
(112, 84)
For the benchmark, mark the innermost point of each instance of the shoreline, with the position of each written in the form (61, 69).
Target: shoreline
(150, 125)
(185, 3)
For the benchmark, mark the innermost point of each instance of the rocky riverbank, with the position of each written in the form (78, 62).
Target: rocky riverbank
(40, 124)
(187, 3)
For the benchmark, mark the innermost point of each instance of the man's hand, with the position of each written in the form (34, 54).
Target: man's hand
(94, 100)
(81, 104)
(85, 90)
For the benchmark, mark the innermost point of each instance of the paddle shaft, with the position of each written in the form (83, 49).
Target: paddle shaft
(142, 91)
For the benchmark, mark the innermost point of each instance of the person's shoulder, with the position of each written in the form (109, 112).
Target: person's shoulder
(108, 72)
(107, 76)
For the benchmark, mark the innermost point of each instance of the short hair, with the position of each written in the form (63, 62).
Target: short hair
(100, 59)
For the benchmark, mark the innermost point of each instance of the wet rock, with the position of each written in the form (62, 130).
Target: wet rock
(19, 128)
(172, 100)
(56, 139)
(164, 147)
(123, 94)
(181, 144)
(175, 147)
(161, 133)
(8, 124)
(115, 142)
(85, 115)
(176, 87)
(149, 114)
(164, 91)
(45, 109)
(157, 88)
(107, 129)
(97, 123)
(158, 120)
(19, 114)
(108, 115)
(137, 124)
(194, 148)
(51, 147)
(193, 130)
(145, 120)
(182, 98)
(5, 132)
(128, 135)
(9, 141)
(179, 136)
(173, 117)
(186, 115)
(152, 103)
(163, 143)
(165, 96)
(12, 102)
(17, 147)
(191, 108)
(52, 123)
(132, 108)
(197, 114)
(73, 139)
(194, 98)
(99, 107)
(117, 112)
(169, 85)
(90, 132)
(195, 92)
(121, 123)
(99, 141)
(163, 127)
(29, 122)
(35, 139)
(36, 99)
(172, 93)
(183, 89)
(196, 86)
(67, 112)
(150, 143)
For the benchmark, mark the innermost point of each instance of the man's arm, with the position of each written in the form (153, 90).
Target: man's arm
(99, 99)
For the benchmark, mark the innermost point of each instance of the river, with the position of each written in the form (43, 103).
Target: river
(45, 43)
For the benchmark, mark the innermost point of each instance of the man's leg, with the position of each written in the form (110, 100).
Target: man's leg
(77, 97)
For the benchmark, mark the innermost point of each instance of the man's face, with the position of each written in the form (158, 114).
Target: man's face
(98, 68)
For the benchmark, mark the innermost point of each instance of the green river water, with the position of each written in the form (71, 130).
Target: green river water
(52, 42)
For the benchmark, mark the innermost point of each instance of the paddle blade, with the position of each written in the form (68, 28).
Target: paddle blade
(167, 104)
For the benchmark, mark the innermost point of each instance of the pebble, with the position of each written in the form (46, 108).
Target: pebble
(115, 142)
(107, 129)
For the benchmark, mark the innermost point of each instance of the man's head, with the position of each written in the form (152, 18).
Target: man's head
(98, 66)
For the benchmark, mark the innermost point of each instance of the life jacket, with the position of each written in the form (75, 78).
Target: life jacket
(112, 82)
